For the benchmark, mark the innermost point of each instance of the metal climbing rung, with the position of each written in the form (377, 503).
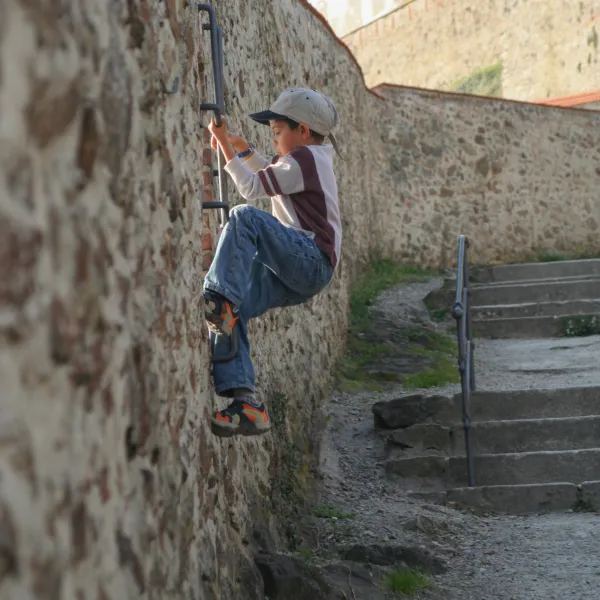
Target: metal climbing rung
(218, 108)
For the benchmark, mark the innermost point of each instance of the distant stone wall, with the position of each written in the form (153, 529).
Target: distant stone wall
(519, 179)
(547, 49)
(112, 485)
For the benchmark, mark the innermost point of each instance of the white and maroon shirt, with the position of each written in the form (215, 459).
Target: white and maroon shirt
(302, 189)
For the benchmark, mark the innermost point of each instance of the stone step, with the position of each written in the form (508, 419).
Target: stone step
(529, 435)
(526, 498)
(570, 279)
(537, 291)
(532, 271)
(526, 404)
(537, 327)
(407, 411)
(535, 309)
(571, 466)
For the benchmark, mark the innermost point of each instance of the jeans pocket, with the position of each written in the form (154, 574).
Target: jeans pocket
(309, 275)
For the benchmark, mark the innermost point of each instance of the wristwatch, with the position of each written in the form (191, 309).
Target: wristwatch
(246, 152)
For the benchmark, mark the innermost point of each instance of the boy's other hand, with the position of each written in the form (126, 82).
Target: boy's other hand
(220, 137)
(219, 133)
(238, 142)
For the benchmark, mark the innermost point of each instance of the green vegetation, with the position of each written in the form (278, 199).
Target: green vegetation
(406, 581)
(551, 258)
(381, 274)
(439, 314)
(580, 325)
(583, 506)
(441, 350)
(482, 82)
(328, 511)
(438, 349)
(289, 469)
(305, 553)
(592, 39)
(278, 412)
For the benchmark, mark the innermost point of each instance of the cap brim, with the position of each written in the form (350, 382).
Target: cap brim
(265, 116)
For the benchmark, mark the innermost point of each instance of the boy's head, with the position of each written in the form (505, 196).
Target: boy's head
(289, 134)
(299, 117)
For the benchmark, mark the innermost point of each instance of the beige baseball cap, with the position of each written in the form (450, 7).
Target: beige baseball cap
(304, 106)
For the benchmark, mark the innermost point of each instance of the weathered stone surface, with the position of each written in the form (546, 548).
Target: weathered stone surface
(591, 493)
(516, 499)
(409, 410)
(116, 485)
(421, 437)
(473, 36)
(430, 465)
(288, 578)
(356, 580)
(413, 557)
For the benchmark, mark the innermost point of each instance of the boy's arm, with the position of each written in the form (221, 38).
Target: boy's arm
(284, 177)
(255, 161)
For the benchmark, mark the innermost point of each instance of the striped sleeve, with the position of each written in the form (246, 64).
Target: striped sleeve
(282, 178)
(255, 162)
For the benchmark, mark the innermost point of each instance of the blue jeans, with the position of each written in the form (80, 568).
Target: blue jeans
(259, 264)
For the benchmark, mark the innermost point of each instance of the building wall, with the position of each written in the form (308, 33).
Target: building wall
(546, 48)
(112, 485)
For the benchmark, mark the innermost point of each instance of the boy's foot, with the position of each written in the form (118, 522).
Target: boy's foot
(219, 312)
(241, 418)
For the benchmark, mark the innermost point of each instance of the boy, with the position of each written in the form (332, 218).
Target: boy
(265, 261)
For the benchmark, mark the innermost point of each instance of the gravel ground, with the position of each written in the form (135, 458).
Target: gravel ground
(537, 557)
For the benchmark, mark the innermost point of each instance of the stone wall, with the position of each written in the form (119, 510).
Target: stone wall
(112, 485)
(547, 49)
(519, 179)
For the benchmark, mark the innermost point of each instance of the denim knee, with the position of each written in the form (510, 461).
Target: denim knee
(242, 212)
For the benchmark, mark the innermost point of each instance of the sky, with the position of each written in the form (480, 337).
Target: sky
(345, 15)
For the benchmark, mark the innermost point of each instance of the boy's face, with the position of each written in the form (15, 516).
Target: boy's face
(286, 139)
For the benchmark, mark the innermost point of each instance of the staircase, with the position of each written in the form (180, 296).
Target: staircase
(537, 300)
(533, 450)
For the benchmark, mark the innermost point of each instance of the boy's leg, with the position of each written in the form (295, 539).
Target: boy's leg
(265, 292)
(287, 268)
(236, 378)
(252, 233)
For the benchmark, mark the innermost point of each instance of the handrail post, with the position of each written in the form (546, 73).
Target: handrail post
(461, 311)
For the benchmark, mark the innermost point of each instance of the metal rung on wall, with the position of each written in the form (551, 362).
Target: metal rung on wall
(217, 107)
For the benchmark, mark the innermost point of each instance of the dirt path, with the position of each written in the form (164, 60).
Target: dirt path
(538, 557)
(549, 557)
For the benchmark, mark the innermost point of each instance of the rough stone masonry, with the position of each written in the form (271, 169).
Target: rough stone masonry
(111, 485)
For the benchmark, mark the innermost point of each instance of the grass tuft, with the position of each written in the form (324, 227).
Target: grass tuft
(406, 581)
(328, 511)
(482, 82)
(583, 506)
(552, 258)
(381, 275)
(580, 325)
(441, 350)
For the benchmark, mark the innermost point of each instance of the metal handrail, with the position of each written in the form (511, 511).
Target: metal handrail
(461, 311)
